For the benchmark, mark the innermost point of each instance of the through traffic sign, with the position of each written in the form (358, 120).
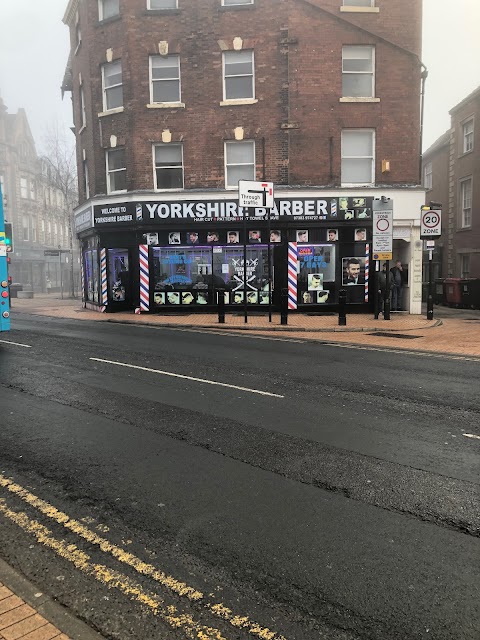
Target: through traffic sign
(431, 224)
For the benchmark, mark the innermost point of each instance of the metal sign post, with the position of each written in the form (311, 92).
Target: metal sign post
(382, 246)
(430, 228)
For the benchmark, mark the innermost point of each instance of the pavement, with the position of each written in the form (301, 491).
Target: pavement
(26, 614)
(452, 331)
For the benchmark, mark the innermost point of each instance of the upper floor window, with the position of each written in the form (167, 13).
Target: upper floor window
(358, 3)
(358, 65)
(108, 9)
(168, 159)
(161, 4)
(112, 85)
(232, 3)
(23, 188)
(32, 189)
(164, 79)
(427, 176)
(26, 228)
(468, 136)
(465, 266)
(34, 230)
(239, 162)
(116, 171)
(238, 80)
(358, 156)
(466, 202)
(83, 113)
(86, 181)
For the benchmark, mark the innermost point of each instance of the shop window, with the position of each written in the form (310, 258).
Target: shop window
(112, 83)
(228, 269)
(168, 160)
(358, 65)
(239, 163)
(358, 157)
(316, 274)
(116, 171)
(238, 77)
(165, 79)
(118, 275)
(108, 9)
(91, 275)
(182, 276)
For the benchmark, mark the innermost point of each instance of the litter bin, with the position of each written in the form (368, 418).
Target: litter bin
(453, 292)
(15, 288)
(439, 291)
(470, 290)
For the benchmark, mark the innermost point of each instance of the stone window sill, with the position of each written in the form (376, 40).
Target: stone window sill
(166, 105)
(110, 112)
(233, 103)
(359, 100)
(360, 9)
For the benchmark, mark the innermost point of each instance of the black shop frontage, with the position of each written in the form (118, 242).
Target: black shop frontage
(159, 256)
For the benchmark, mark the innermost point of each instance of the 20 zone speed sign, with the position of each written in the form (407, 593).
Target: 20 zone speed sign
(431, 224)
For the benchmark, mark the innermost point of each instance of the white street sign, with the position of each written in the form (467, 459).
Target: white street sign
(258, 195)
(431, 224)
(382, 246)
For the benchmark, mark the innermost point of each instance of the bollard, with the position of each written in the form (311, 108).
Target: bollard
(221, 305)
(284, 306)
(342, 304)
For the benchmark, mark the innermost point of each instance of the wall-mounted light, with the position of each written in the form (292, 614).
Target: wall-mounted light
(385, 166)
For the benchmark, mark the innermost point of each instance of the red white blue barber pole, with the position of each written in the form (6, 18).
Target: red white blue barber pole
(82, 279)
(144, 279)
(103, 278)
(367, 269)
(292, 275)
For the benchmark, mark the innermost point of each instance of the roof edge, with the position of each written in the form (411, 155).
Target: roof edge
(70, 11)
(463, 102)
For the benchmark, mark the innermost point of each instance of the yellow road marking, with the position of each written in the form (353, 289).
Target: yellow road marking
(110, 578)
(180, 588)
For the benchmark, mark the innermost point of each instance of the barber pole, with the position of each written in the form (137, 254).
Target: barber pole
(103, 277)
(292, 275)
(144, 279)
(367, 269)
(82, 279)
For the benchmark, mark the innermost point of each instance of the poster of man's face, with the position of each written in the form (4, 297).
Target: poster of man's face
(174, 237)
(237, 297)
(233, 237)
(302, 235)
(322, 296)
(212, 236)
(150, 238)
(187, 297)
(254, 236)
(252, 297)
(158, 298)
(360, 235)
(332, 235)
(192, 237)
(173, 297)
(315, 281)
(275, 235)
(353, 271)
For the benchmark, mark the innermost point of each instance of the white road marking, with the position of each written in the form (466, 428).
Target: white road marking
(401, 351)
(234, 333)
(471, 435)
(17, 344)
(178, 375)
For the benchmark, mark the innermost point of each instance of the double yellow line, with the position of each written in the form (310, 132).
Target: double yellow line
(114, 579)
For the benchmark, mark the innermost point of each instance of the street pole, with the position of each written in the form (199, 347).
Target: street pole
(269, 257)
(61, 274)
(430, 286)
(377, 290)
(245, 213)
(386, 293)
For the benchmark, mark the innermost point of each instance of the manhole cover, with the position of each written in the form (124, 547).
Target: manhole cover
(387, 334)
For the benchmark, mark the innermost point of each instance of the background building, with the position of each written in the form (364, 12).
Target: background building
(451, 170)
(37, 209)
(174, 102)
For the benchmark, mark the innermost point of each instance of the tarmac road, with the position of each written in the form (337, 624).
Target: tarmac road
(314, 491)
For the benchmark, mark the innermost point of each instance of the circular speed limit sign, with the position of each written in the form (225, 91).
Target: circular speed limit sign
(431, 224)
(383, 224)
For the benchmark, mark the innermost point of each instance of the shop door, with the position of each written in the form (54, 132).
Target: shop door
(119, 279)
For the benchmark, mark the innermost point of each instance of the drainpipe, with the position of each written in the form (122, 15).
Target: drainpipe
(424, 76)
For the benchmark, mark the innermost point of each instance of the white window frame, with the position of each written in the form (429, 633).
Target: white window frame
(468, 135)
(100, 11)
(150, 8)
(466, 202)
(351, 73)
(372, 181)
(109, 172)
(243, 75)
(105, 89)
(173, 144)
(428, 176)
(24, 188)
(86, 181)
(465, 262)
(229, 143)
(83, 112)
(25, 229)
(32, 189)
(176, 102)
(237, 3)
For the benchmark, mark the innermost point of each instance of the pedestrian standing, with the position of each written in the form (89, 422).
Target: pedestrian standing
(397, 291)
(382, 284)
(49, 285)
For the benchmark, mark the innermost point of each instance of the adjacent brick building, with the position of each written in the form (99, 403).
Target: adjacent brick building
(175, 101)
(451, 168)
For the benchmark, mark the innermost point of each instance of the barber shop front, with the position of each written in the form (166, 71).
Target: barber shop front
(164, 255)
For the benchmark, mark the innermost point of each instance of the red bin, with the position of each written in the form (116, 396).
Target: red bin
(453, 292)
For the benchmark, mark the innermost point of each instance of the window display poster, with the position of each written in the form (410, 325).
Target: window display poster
(318, 259)
(302, 235)
(332, 235)
(233, 237)
(315, 281)
(275, 235)
(360, 234)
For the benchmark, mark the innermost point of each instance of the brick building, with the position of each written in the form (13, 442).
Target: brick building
(36, 208)
(176, 100)
(451, 171)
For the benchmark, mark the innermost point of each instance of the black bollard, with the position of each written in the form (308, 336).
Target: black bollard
(284, 306)
(221, 305)
(342, 305)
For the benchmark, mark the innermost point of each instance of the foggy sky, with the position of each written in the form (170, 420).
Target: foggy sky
(34, 46)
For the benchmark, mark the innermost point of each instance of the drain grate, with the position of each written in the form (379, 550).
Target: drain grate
(386, 334)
